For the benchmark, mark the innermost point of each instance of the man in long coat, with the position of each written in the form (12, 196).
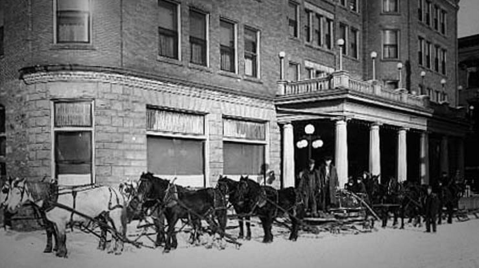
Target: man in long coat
(309, 187)
(329, 180)
(431, 206)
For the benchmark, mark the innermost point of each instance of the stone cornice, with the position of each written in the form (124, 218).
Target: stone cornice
(39, 74)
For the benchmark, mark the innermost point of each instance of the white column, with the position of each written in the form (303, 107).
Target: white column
(445, 155)
(402, 156)
(374, 150)
(341, 152)
(424, 158)
(288, 156)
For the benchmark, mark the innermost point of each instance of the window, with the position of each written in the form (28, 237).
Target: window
(443, 61)
(2, 23)
(168, 30)
(251, 48)
(293, 71)
(436, 15)
(354, 5)
(328, 34)
(420, 4)
(198, 37)
(421, 45)
(73, 146)
(343, 2)
(442, 21)
(73, 21)
(227, 46)
(436, 58)
(428, 54)
(343, 34)
(176, 146)
(317, 30)
(244, 146)
(390, 44)
(293, 19)
(421, 89)
(473, 77)
(390, 6)
(308, 26)
(354, 43)
(427, 11)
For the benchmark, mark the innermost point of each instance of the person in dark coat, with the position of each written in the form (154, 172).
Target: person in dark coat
(329, 181)
(431, 204)
(309, 187)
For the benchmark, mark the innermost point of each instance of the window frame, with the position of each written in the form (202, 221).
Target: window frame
(387, 7)
(298, 72)
(421, 51)
(89, 27)
(293, 23)
(428, 54)
(354, 42)
(354, 5)
(256, 56)
(2, 28)
(443, 22)
(205, 56)
(427, 12)
(396, 45)
(57, 129)
(233, 50)
(443, 59)
(176, 34)
(343, 27)
(420, 10)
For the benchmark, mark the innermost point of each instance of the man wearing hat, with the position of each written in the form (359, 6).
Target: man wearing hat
(309, 185)
(431, 206)
(329, 180)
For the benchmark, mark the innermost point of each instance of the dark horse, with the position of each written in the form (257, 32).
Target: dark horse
(229, 188)
(268, 203)
(177, 202)
(449, 195)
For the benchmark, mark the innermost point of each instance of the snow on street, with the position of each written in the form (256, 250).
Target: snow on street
(454, 245)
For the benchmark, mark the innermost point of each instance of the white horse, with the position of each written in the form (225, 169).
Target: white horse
(78, 205)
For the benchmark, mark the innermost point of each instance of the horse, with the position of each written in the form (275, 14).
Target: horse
(229, 188)
(75, 205)
(449, 195)
(268, 203)
(177, 202)
(36, 193)
(411, 196)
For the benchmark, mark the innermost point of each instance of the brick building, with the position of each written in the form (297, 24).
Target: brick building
(98, 91)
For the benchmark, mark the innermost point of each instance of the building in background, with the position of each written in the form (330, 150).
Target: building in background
(469, 99)
(98, 91)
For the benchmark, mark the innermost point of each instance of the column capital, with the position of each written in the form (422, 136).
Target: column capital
(375, 124)
(403, 129)
(341, 118)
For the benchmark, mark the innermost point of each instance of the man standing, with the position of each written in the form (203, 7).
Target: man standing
(309, 186)
(329, 180)
(430, 209)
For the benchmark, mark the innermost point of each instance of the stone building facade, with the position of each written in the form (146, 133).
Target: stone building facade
(100, 91)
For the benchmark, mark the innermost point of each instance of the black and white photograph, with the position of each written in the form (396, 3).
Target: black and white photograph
(239, 133)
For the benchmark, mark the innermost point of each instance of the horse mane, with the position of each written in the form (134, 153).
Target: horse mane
(40, 190)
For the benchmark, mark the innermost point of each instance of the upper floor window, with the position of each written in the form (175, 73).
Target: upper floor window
(228, 46)
(2, 23)
(328, 33)
(354, 43)
(427, 12)
(420, 4)
(343, 2)
(251, 48)
(435, 20)
(443, 60)
(198, 37)
(390, 6)
(168, 29)
(390, 44)
(354, 5)
(421, 45)
(73, 21)
(442, 21)
(293, 22)
(436, 58)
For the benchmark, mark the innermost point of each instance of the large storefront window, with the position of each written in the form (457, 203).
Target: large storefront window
(244, 147)
(176, 146)
(73, 146)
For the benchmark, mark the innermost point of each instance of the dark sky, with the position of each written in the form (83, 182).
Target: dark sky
(468, 18)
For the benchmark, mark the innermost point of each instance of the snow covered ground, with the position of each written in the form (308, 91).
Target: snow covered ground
(454, 245)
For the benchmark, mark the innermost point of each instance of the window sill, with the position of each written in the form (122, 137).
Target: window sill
(229, 74)
(198, 67)
(169, 60)
(252, 79)
(320, 48)
(395, 13)
(72, 47)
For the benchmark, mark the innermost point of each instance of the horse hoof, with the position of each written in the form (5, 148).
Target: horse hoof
(47, 250)
(61, 254)
(166, 251)
(248, 237)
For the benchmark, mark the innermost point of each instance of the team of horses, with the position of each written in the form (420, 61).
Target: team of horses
(166, 203)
